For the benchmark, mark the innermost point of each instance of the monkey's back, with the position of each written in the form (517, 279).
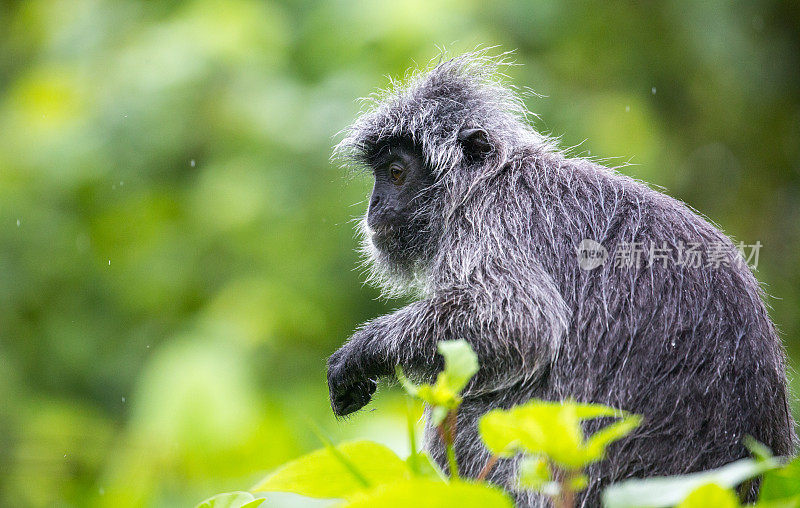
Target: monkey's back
(692, 349)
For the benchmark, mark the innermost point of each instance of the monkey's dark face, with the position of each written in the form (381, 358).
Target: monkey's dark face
(396, 222)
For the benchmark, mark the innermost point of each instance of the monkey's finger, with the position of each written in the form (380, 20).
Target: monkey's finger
(353, 399)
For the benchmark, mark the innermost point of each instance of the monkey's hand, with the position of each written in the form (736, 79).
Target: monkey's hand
(353, 373)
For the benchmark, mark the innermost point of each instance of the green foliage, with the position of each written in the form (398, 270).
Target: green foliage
(232, 500)
(550, 438)
(535, 474)
(338, 472)
(550, 433)
(709, 495)
(423, 493)
(782, 485)
(669, 491)
(368, 474)
(553, 429)
(461, 363)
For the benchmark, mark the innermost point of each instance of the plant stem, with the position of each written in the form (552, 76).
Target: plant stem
(451, 460)
(488, 467)
(447, 431)
(566, 497)
(346, 462)
(412, 436)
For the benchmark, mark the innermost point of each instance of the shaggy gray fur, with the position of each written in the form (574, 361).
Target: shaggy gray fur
(691, 349)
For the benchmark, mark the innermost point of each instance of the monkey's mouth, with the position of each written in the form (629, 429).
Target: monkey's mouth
(385, 238)
(382, 230)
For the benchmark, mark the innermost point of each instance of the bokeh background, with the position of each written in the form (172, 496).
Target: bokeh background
(176, 249)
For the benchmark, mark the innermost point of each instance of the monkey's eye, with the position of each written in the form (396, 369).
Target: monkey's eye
(397, 173)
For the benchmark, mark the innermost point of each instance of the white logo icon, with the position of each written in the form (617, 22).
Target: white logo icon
(591, 254)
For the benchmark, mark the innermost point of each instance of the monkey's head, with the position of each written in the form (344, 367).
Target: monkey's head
(396, 222)
(401, 226)
(429, 144)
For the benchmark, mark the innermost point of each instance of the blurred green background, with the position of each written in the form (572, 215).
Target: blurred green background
(176, 249)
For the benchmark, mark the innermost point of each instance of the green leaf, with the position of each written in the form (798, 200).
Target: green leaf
(438, 414)
(588, 411)
(757, 448)
(782, 483)
(789, 502)
(578, 482)
(460, 364)
(552, 429)
(670, 490)
(534, 474)
(322, 473)
(232, 500)
(407, 385)
(710, 495)
(423, 493)
(598, 442)
(425, 468)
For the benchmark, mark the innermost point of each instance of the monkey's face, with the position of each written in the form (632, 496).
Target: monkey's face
(397, 224)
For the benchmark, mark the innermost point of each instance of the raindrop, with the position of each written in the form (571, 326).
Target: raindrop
(18, 222)
(653, 90)
(109, 262)
(123, 400)
(627, 109)
(192, 163)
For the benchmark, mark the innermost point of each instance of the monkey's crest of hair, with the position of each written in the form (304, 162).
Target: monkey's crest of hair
(433, 105)
(430, 109)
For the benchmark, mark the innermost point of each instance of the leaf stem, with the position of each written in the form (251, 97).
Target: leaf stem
(447, 430)
(566, 496)
(346, 462)
(488, 467)
(412, 436)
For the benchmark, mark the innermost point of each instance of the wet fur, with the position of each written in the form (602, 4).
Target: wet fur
(691, 349)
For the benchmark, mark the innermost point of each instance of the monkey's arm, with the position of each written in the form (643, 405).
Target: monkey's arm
(515, 327)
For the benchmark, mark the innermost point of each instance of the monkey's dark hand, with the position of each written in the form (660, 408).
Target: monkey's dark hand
(353, 373)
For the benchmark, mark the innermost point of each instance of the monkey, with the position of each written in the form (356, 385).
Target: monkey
(480, 219)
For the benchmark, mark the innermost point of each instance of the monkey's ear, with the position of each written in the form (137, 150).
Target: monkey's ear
(475, 143)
